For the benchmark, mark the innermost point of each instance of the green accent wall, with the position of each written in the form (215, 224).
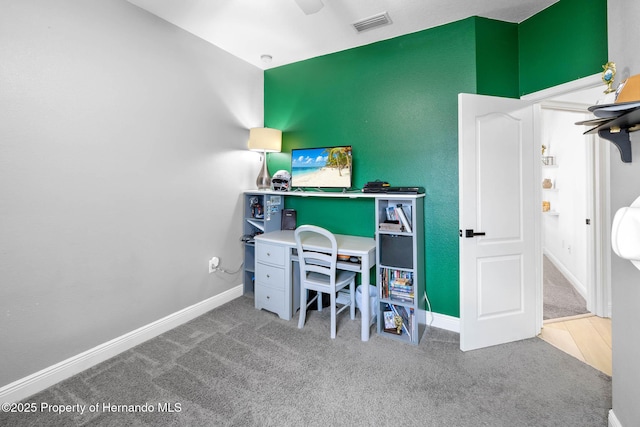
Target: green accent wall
(395, 103)
(564, 42)
(497, 58)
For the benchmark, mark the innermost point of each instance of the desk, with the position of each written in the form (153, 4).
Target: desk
(274, 272)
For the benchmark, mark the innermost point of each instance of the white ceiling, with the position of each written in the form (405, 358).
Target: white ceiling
(251, 28)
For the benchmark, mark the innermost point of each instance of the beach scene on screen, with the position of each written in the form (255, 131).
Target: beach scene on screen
(328, 167)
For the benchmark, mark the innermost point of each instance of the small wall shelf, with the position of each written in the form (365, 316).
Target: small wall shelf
(617, 129)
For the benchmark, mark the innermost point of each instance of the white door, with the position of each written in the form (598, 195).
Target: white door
(497, 199)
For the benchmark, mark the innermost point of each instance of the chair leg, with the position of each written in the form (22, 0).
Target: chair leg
(333, 314)
(352, 292)
(303, 308)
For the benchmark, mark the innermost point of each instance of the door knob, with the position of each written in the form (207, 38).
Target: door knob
(471, 233)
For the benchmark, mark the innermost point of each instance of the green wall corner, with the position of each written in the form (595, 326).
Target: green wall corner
(564, 42)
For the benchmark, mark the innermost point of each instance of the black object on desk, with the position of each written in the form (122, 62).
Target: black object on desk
(288, 219)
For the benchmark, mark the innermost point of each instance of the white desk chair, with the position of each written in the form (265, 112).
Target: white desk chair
(318, 273)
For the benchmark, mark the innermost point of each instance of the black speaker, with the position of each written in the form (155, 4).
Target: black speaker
(288, 219)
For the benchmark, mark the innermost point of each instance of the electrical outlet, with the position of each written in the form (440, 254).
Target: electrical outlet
(213, 264)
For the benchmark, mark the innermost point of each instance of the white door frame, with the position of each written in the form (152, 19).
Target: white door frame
(599, 287)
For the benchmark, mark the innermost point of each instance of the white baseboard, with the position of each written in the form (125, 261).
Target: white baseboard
(441, 321)
(577, 284)
(613, 420)
(47, 377)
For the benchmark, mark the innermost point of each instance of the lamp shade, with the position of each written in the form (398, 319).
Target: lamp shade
(265, 139)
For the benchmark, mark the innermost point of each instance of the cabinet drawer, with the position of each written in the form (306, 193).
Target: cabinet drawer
(272, 254)
(269, 299)
(270, 276)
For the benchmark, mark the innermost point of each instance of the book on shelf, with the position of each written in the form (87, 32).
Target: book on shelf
(406, 223)
(397, 284)
(400, 215)
(401, 297)
(404, 290)
(403, 279)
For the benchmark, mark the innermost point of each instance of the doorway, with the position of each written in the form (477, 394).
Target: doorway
(574, 235)
(567, 173)
(573, 98)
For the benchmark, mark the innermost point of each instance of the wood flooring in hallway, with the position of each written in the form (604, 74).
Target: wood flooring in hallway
(585, 337)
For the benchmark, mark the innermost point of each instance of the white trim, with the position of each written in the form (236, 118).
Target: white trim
(555, 91)
(613, 420)
(47, 377)
(441, 321)
(603, 230)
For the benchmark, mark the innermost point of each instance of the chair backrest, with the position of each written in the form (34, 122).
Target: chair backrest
(324, 262)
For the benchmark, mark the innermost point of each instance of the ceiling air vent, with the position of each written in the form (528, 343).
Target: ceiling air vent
(372, 22)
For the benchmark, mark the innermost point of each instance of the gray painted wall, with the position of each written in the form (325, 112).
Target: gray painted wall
(122, 159)
(624, 34)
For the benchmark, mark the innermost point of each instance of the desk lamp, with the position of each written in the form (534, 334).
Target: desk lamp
(266, 140)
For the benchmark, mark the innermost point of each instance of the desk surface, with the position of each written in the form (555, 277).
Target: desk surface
(347, 245)
(338, 194)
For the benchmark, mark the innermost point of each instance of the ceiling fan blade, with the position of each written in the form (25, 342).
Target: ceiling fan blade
(309, 7)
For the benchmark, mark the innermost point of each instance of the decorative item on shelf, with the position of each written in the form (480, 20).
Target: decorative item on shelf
(546, 206)
(617, 116)
(547, 183)
(389, 322)
(256, 208)
(281, 181)
(547, 160)
(608, 75)
(397, 320)
(266, 140)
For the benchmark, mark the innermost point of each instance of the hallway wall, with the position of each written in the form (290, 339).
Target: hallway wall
(564, 227)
